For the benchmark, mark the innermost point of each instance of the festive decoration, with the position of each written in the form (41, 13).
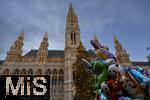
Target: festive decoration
(83, 79)
(145, 72)
(101, 51)
(142, 80)
(114, 81)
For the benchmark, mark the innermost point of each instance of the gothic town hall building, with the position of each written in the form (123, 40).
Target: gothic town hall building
(56, 63)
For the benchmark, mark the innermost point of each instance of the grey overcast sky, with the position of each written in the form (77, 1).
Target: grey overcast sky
(128, 19)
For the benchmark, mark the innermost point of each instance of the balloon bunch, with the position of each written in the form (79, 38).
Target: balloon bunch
(113, 81)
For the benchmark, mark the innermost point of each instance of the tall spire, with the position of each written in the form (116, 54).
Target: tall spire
(71, 16)
(70, 4)
(71, 8)
(72, 35)
(72, 41)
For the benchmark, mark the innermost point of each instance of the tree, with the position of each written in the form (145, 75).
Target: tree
(83, 79)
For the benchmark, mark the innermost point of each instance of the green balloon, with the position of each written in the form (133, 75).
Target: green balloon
(102, 71)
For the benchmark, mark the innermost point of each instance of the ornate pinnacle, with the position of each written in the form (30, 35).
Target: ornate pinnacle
(115, 39)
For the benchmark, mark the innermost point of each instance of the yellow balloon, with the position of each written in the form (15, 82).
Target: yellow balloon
(101, 55)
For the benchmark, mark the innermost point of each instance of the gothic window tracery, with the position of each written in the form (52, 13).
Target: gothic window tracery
(6, 72)
(48, 72)
(73, 38)
(30, 71)
(53, 80)
(23, 71)
(39, 72)
(61, 80)
(55, 71)
(16, 71)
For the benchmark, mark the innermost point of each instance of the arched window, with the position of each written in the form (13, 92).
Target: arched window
(6, 72)
(30, 71)
(16, 71)
(60, 80)
(53, 79)
(23, 71)
(39, 72)
(54, 71)
(61, 72)
(74, 38)
(48, 72)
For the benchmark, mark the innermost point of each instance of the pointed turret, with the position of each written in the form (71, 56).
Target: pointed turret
(15, 52)
(46, 35)
(21, 34)
(71, 9)
(121, 54)
(19, 42)
(44, 43)
(115, 39)
(71, 17)
(43, 50)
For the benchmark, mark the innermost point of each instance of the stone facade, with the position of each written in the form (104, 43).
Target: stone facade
(56, 63)
(121, 55)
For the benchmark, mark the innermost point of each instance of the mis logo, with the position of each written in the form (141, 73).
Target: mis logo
(25, 87)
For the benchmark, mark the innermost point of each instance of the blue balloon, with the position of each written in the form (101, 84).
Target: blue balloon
(102, 95)
(140, 69)
(124, 98)
(143, 80)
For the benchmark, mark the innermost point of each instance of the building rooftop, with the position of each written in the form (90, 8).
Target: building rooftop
(60, 54)
(51, 53)
(140, 63)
